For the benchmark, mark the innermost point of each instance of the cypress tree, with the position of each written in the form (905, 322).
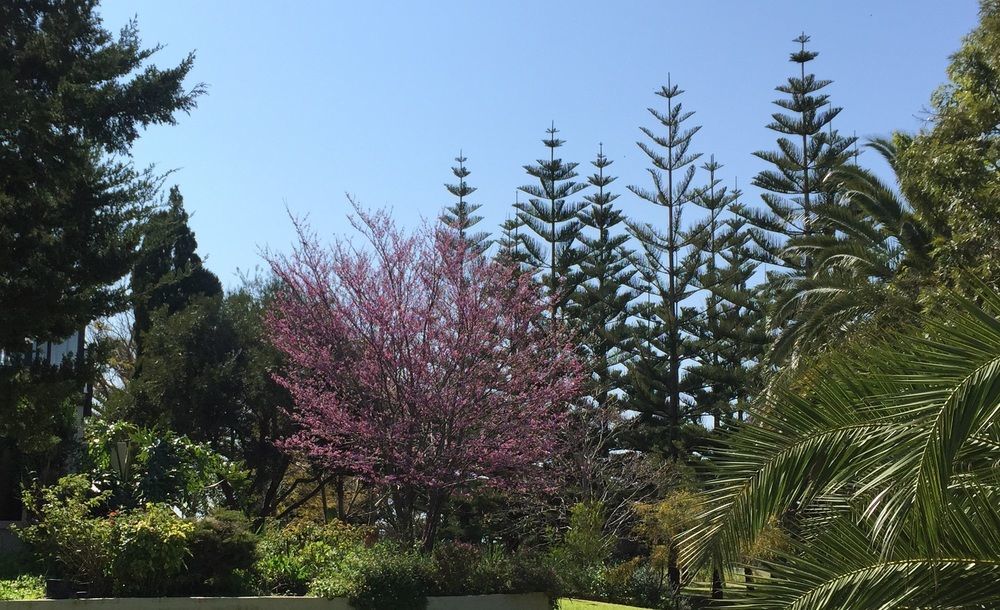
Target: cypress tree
(666, 268)
(601, 305)
(185, 351)
(168, 272)
(461, 216)
(553, 219)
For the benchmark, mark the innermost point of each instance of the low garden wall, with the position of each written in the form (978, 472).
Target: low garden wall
(523, 601)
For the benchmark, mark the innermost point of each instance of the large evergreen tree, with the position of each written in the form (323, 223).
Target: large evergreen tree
(808, 148)
(667, 266)
(73, 99)
(71, 94)
(181, 340)
(552, 217)
(729, 335)
(168, 272)
(461, 215)
(601, 305)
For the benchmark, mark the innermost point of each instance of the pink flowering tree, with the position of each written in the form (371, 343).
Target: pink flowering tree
(419, 366)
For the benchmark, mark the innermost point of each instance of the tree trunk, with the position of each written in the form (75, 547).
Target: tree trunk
(435, 502)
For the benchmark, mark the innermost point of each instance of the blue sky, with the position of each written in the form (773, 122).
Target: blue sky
(308, 100)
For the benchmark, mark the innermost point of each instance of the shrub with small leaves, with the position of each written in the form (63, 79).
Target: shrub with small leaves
(223, 551)
(150, 550)
(66, 535)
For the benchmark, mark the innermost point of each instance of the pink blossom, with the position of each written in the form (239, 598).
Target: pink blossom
(416, 363)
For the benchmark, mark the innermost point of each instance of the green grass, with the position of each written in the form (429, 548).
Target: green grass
(583, 604)
(22, 587)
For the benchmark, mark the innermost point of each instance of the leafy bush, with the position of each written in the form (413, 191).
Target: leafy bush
(68, 537)
(395, 580)
(133, 552)
(585, 543)
(158, 467)
(150, 550)
(22, 587)
(581, 555)
(223, 550)
(455, 566)
(290, 558)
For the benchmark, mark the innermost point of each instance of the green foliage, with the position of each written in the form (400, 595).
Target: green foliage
(22, 587)
(461, 216)
(953, 165)
(728, 329)
(455, 565)
(638, 582)
(161, 467)
(585, 545)
(67, 535)
(808, 148)
(223, 550)
(150, 550)
(134, 552)
(395, 579)
(290, 558)
(600, 307)
(69, 211)
(869, 481)
(72, 91)
(667, 267)
(552, 217)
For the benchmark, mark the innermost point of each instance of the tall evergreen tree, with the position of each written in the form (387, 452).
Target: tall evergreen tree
(73, 98)
(711, 238)
(601, 305)
(461, 216)
(808, 149)
(72, 92)
(728, 329)
(168, 273)
(552, 217)
(184, 349)
(666, 267)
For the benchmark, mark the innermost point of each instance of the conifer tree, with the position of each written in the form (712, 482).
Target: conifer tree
(808, 148)
(552, 217)
(168, 272)
(186, 352)
(711, 239)
(461, 216)
(75, 98)
(666, 268)
(510, 245)
(729, 336)
(601, 305)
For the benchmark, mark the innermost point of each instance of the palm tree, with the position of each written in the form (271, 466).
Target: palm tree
(878, 471)
(867, 263)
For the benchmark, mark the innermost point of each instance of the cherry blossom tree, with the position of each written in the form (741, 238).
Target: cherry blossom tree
(419, 365)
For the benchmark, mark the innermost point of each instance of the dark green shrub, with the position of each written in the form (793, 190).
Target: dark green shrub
(393, 579)
(223, 550)
(455, 564)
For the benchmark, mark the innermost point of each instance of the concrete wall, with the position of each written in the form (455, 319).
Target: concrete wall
(527, 601)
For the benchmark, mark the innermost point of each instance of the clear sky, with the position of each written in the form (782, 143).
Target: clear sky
(309, 100)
